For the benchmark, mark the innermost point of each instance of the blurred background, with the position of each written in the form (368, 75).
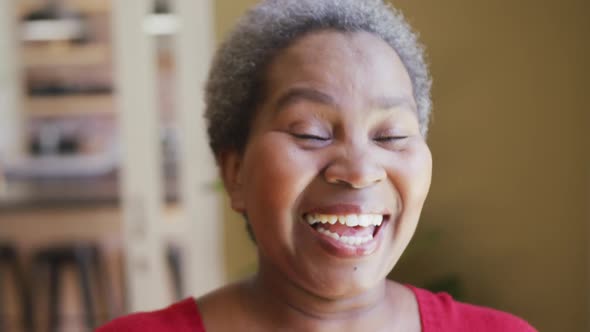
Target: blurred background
(108, 195)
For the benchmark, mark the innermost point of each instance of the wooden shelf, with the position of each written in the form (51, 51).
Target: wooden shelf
(70, 105)
(62, 54)
(84, 6)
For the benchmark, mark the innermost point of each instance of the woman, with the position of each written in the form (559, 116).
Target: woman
(318, 112)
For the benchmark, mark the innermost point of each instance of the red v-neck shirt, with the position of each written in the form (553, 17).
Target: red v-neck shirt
(438, 313)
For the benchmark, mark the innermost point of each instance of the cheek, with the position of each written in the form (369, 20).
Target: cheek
(412, 176)
(276, 173)
(412, 180)
(420, 171)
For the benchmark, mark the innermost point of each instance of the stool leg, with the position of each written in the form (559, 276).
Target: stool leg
(105, 301)
(3, 316)
(28, 316)
(84, 270)
(54, 297)
(175, 266)
(25, 294)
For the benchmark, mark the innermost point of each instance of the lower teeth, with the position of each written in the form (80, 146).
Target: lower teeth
(350, 240)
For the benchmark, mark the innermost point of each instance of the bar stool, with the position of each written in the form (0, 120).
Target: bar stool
(9, 262)
(87, 260)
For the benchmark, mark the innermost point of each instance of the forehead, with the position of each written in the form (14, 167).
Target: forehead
(352, 67)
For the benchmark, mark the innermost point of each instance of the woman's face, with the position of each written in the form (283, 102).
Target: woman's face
(335, 171)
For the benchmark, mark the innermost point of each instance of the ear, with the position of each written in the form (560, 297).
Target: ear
(230, 164)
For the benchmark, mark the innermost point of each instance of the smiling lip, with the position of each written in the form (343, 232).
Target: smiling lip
(336, 246)
(342, 250)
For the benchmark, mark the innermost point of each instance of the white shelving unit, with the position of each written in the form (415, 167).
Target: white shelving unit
(198, 214)
(202, 234)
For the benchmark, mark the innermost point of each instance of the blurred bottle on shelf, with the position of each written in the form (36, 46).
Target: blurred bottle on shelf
(53, 22)
(51, 139)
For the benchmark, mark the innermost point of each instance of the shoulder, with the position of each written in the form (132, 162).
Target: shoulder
(182, 316)
(440, 312)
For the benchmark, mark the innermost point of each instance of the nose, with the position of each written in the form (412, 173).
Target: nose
(356, 168)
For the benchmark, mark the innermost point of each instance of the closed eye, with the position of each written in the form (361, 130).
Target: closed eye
(311, 137)
(386, 139)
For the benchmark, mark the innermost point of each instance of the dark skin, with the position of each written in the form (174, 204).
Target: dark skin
(336, 133)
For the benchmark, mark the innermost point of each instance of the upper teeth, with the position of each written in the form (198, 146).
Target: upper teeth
(350, 220)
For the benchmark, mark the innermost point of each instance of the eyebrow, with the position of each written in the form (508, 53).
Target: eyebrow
(295, 95)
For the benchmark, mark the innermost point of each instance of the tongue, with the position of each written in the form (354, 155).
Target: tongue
(349, 231)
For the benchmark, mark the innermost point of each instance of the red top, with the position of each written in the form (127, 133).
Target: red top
(438, 313)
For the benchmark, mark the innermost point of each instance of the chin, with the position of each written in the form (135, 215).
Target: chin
(343, 283)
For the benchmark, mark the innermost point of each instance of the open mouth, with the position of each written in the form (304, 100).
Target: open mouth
(349, 229)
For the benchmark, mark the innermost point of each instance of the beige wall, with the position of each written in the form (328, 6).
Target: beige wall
(510, 143)
(241, 255)
(511, 189)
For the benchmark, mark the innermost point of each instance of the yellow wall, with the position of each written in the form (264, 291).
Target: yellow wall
(241, 256)
(511, 189)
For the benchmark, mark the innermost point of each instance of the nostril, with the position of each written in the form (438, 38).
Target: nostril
(367, 183)
(338, 181)
(358, 171)
(356, 182)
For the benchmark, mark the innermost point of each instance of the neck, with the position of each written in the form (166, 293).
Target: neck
(282, 301)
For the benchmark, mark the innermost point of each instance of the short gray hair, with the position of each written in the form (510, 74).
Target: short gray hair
(236, 79)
